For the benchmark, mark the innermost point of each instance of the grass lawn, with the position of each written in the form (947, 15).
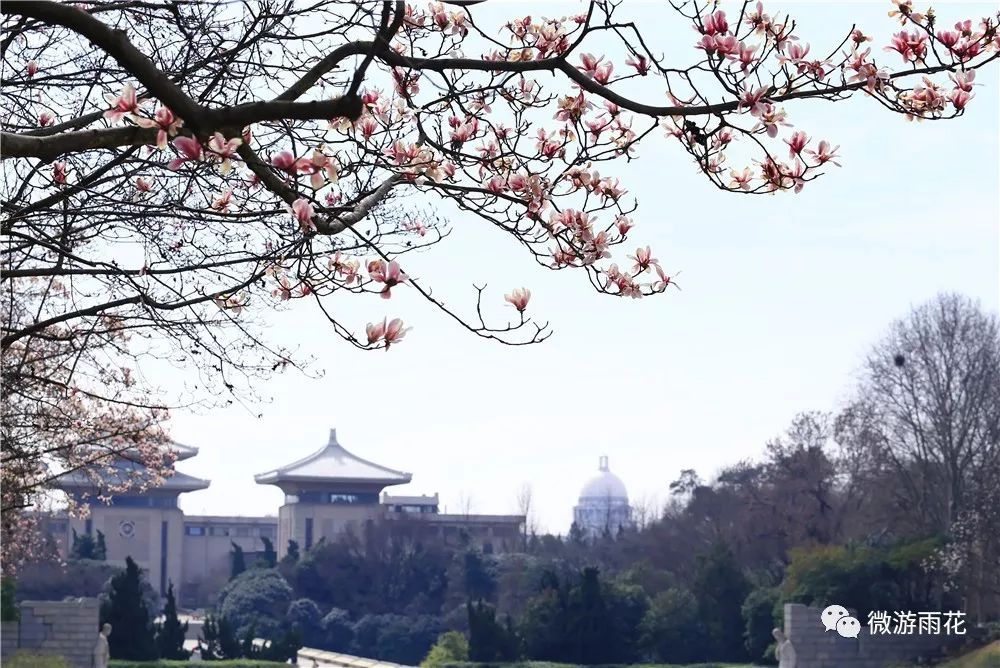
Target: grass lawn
(984, 657)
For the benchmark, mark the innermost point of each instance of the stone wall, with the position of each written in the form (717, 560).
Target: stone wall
(817, 648)
(65, 628)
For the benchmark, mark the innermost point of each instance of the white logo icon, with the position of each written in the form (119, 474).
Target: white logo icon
(848, 627)
(833, 614)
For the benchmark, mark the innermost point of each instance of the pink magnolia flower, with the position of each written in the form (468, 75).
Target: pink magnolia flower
(624, 224)
(463, 132)
(31, 68)
(964, 80)
(796, 143)
(758, 20)
(960, 98)
(706, 44)
(303, 211)
(911, 46)
(122, 104)
(519, 298)
(824, 153)
(716, 24)
(754, 100)
(225, 149)
(284, 289)
(143, 186)
(368, 126)
(394, 332)
(643, 260)
(859, 37)
(741, 180)
(664, 281)
(771, 118)
(590, 64)
(573, 107)
(189, 149)
(221, 202)
(375, 331)
(949, 37)
(967, 49)
(388, 274)
(795, 53)
(726, 45)
(746, 56)
(164, 121)
(640, 63)
(603, 73)
(286, 162)
(496, 185)
(59, 172)
(46, 119)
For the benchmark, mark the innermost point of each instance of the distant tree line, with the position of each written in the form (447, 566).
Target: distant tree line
(889, 503)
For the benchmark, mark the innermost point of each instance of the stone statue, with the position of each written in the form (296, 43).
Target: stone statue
(101, 651)
(784, 651)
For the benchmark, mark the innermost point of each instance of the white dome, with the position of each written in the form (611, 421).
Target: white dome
(605, 485)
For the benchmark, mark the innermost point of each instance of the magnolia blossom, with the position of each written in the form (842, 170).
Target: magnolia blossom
(640, 63)
(123, 104)
(46, 119)
(390, 332)
(59, 172)
(303, 211)
(741, 180)
(31, 68)
(796, 143)
(221, 202)
(189, 149)
(911, 46)
(824, 153)
(643, 260)
(225, 149)
(590, 64)
(519, 298)
(165, 123)
(715, 24)
(388, 274)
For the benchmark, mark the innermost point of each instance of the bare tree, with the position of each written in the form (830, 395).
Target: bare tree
(525, 507)
(927, 428)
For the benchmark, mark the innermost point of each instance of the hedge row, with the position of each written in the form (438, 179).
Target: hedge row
(234, 663)
(546, 664)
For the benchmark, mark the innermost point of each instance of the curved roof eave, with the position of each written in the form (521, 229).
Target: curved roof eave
(334, 464)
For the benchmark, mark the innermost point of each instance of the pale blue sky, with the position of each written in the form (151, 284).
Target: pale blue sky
(781, 297)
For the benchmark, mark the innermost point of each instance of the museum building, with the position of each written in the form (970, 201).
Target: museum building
(327, 493)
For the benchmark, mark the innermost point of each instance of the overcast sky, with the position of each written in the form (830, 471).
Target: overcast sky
(781, 298)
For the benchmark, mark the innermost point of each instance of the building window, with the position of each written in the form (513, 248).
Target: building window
(194, 531)
(340, 498)
(242, 532)
(218, 531)
(57, 527)
(309, 532)
(267, 532)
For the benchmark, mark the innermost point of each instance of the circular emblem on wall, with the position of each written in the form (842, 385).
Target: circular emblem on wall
(126, 529)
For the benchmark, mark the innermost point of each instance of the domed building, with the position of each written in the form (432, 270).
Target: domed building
(603, 504)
